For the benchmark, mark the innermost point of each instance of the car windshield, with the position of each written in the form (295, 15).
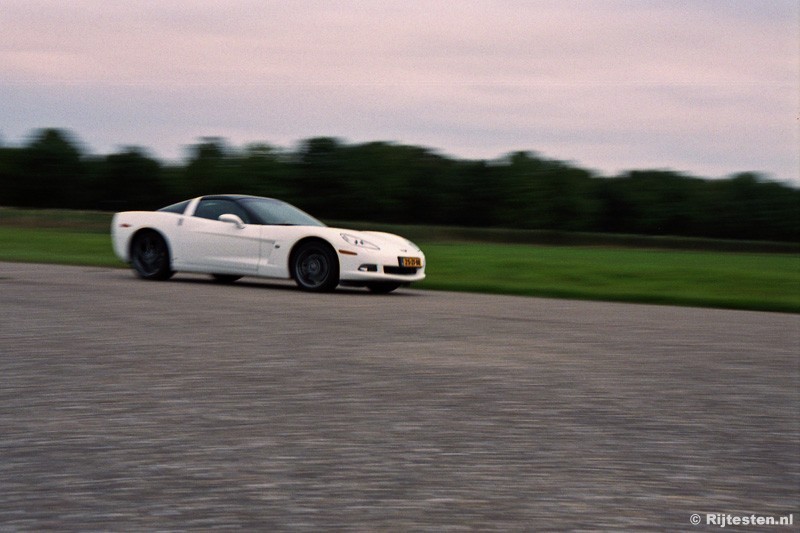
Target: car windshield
(275, 212)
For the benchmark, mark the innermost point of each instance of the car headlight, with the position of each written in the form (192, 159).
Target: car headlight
(356, 241)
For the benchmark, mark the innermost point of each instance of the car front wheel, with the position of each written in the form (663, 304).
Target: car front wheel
(315, 267)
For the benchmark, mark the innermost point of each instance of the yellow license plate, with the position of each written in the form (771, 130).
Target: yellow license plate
(411, 262)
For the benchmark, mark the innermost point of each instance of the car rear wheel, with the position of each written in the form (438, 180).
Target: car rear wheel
(315, 267)
(150, 256)
(383, 288)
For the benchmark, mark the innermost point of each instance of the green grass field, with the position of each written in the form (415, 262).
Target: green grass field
(767, 282)
(708, 279)
(47, 245)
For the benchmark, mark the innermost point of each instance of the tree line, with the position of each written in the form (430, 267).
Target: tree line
(394, 183)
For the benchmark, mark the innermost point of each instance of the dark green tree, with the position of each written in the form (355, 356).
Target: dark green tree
(746, 206)
(544, 194)
(389, 182)
(209, 168)
(319, 174)
(50, 171)
(128, 180)
(262, 171)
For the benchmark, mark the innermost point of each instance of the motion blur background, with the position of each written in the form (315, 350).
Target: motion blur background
(667, 118)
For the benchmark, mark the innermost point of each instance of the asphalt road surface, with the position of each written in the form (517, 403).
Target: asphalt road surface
(132, 405)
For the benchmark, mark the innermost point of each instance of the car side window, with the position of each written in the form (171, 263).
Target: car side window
(212, 208)
(178, 208)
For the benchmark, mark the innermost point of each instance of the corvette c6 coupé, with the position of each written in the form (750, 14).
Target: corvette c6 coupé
(230, 236)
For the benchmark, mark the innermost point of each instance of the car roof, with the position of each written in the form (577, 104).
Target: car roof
(237, 197)
(230, 196)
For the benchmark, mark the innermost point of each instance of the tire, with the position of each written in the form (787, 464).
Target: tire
(315, 267)
(150, 256)
(225, 278)
(382, 288)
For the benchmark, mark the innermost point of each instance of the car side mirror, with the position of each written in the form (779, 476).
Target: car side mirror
(232, 219)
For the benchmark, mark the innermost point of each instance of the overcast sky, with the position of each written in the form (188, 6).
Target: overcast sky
(707, 87)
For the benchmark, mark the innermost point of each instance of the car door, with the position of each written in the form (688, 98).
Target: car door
(214, 246)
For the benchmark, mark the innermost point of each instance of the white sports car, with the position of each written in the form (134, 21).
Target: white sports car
(230, 236)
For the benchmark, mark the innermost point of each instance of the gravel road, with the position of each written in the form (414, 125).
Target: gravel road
(131, 405)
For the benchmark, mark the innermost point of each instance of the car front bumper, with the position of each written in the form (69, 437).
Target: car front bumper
(366, 267)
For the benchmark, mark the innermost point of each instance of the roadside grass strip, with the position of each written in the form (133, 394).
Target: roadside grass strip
(754, 281)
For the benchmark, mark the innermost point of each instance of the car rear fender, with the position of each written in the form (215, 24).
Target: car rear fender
(125, 225)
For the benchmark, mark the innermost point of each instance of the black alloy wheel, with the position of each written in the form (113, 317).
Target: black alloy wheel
(150, 256)
(315, 267)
